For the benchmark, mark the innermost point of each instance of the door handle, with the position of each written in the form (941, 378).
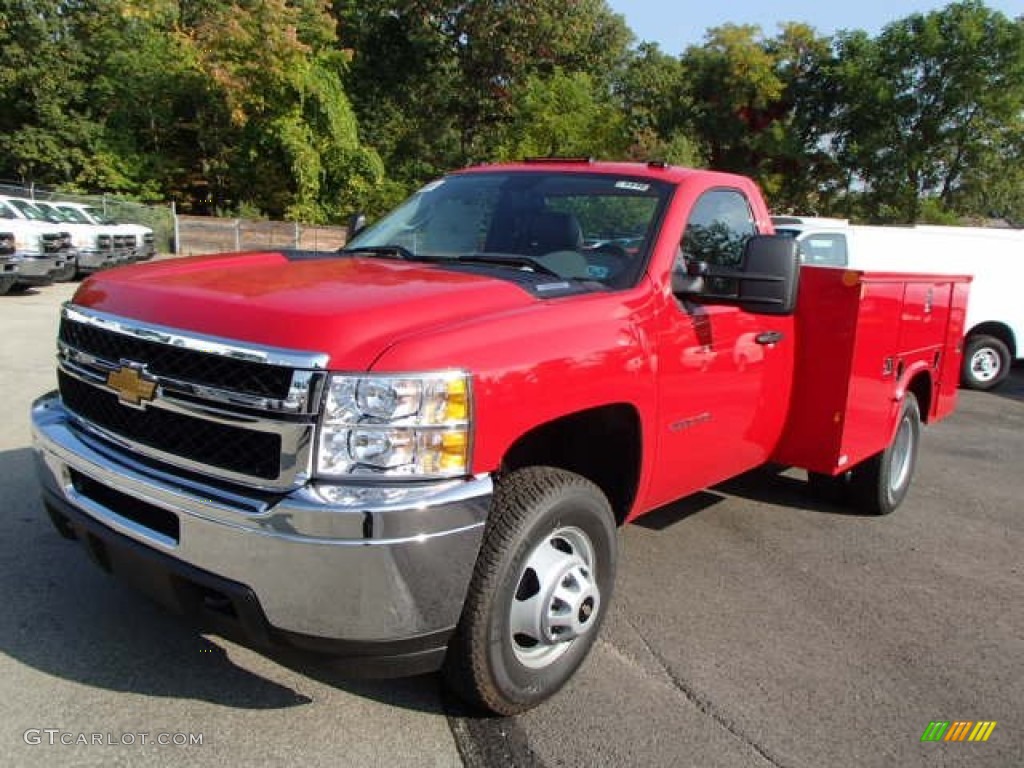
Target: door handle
(769, 337)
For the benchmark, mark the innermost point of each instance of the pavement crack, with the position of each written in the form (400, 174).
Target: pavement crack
(488, 742)
(703, 703)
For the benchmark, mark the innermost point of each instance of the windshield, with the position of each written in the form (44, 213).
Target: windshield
(57, 214)
(96, 216)
(28, 210)
(75, 215)
(579, 226)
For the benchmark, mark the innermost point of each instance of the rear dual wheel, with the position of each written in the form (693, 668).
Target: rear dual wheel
(878, 485)
(540, 590)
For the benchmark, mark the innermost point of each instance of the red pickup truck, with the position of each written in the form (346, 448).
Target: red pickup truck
(414, 453)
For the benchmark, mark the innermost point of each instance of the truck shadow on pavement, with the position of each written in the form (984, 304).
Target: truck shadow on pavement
(66, 618)
(766, 484)
(1013, 387)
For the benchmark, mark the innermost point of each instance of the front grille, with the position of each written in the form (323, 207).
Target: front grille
(51, 243)
(221, 446)
(243, 376)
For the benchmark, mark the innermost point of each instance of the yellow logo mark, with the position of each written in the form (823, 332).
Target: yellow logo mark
(982, 731)
(131, 385)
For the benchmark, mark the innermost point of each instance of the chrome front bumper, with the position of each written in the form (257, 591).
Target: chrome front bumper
(8, 272)
(365, 564)
(93, 260)
(37, 269)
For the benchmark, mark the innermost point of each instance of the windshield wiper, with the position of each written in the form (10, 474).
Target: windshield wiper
(514, 260)
(511, 260)
(387, 251)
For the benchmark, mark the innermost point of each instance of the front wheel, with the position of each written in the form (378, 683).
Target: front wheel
(67, 272)
(540, 590)
(986, 362)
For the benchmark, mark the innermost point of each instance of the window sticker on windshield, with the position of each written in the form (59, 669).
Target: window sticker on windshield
(634, 186)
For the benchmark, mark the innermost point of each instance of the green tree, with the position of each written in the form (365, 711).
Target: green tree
(276, 67)
(437, 86)
(927, 106)
(652, 93)
(566, 115)
(753, 102)
(46, 131)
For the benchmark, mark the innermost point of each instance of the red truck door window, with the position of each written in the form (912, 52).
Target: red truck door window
(723, 396)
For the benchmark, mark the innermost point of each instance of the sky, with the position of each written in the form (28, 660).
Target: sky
(676, 24)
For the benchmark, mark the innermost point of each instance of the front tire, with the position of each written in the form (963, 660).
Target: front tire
(539, 593)
(67, 272)
(986, 363)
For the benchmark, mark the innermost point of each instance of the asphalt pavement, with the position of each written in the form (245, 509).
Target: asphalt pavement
(751, 626)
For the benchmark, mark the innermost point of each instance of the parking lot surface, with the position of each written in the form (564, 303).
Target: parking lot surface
(751, 626)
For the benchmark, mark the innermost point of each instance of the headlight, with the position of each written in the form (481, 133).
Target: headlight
(395, 425)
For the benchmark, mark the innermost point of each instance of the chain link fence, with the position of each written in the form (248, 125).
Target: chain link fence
(193, 235)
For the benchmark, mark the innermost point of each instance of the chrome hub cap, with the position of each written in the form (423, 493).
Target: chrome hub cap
(557, 598)
(985, 364)
(901, 453)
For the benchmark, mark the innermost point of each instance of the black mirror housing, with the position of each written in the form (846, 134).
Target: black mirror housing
(765, 284)
(771, 272)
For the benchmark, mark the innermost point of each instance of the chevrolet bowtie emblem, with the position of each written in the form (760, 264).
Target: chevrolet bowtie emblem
(132, 384)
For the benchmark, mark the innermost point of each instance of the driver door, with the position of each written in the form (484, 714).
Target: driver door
(723, 395)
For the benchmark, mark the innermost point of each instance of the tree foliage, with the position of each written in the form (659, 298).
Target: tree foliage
(313, 109)
(928, 104)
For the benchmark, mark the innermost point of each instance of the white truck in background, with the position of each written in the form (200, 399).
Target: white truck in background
(142, 242)
(40, 249)
(92, 246)
(994, 336)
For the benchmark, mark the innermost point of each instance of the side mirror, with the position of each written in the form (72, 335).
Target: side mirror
(771, 271)
(765, 284)
(356, 223)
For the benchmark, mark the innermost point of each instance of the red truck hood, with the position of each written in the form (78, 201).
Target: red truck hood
(351, 309)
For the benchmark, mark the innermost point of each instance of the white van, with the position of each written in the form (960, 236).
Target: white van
(995, 258)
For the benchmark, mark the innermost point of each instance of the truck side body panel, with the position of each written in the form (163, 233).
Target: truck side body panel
(862, 338)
